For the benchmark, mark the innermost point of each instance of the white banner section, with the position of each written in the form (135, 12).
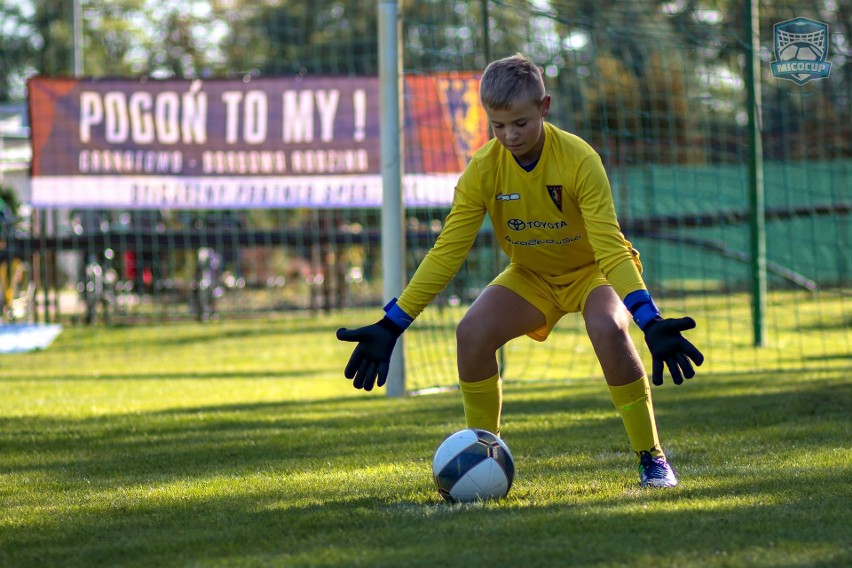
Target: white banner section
(284, 192)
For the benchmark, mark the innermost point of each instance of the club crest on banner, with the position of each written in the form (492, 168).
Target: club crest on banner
(460, 96)
(801, 49)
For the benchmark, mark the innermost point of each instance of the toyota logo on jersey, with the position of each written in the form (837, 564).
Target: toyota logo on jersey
(519, 225)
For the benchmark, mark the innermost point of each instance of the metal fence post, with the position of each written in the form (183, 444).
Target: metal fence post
(757, 224)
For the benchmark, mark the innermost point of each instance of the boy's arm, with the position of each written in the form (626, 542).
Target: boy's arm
(370, 360)
(446, 256)
(612, 254)
(615, 258)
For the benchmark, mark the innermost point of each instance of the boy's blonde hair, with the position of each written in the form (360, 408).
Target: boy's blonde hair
(511, 80)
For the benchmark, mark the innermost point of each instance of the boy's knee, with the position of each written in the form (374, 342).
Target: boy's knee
(607, 327)
(471, 333)
(467, 331)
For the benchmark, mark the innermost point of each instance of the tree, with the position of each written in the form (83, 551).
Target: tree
(18, 51)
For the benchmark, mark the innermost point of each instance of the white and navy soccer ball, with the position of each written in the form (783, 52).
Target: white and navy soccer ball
(473, 465)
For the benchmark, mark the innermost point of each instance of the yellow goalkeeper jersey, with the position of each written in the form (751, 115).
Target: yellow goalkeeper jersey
(556, 220)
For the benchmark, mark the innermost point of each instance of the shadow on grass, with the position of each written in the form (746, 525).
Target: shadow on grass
(222, 333)
(284, 330)
(744, 522)
(836, 325)
(177, 376)
(233, 438)
(836, 356)
(325, 493)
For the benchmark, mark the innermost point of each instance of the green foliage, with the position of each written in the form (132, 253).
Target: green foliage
(204, 446)
(16, 52)
(9, 199)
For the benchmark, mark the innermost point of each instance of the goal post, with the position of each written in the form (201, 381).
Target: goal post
(393, 237)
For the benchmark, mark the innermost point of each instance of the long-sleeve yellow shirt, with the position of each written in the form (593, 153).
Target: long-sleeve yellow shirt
(555, 220)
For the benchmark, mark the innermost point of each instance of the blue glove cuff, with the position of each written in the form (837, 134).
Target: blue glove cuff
(397, 315)
(642, 306)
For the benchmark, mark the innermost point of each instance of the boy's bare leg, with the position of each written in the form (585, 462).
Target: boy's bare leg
(497, 316)
(608, 324)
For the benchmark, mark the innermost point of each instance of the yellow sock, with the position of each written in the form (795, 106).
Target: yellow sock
(483, 401)
(633, 402)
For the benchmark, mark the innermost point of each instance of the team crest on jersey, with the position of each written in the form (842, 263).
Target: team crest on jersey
(555, 193)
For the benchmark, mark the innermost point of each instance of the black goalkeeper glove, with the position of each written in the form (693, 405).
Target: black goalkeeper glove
(668, 346)
(664, 338)
(370, 360)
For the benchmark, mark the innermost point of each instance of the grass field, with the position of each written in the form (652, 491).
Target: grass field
(190, 445)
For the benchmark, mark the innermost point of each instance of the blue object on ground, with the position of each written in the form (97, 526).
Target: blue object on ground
(20, 338)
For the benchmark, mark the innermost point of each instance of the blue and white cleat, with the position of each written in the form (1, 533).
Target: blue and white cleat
(655, 472)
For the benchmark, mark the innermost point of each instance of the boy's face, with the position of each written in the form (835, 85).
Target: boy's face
(520, 128)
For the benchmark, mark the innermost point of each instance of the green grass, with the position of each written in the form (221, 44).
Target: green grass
(240, 444)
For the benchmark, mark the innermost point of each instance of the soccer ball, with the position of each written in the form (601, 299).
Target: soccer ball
(473, 465)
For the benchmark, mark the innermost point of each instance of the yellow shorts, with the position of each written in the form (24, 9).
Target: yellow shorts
(554, 301)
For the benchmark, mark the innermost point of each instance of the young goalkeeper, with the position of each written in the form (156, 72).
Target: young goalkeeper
(551, 206)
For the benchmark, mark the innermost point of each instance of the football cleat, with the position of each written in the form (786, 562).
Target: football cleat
(655, 472)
